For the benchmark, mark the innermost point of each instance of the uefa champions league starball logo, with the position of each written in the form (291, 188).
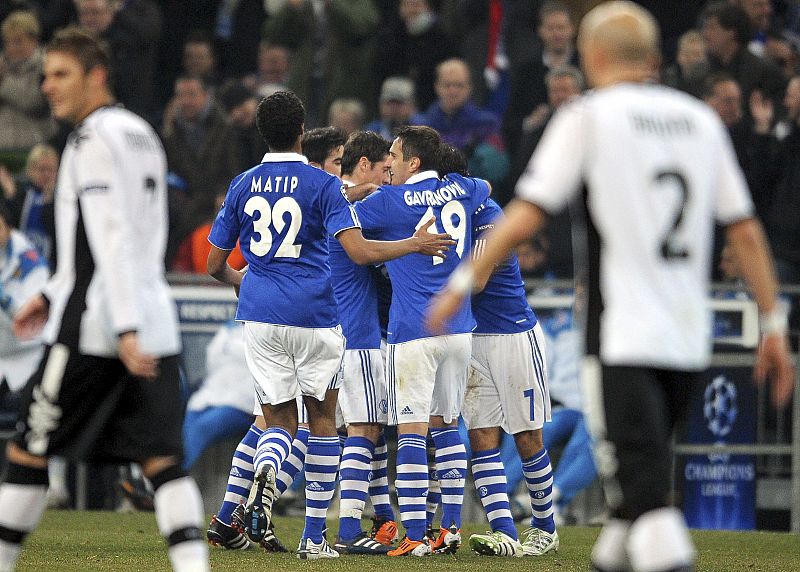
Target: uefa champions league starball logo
(719, 407)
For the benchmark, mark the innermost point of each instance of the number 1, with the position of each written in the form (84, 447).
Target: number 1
(529, 394)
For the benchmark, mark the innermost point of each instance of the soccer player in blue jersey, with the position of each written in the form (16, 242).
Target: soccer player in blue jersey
(426, 376)
(508, 391)
(362, 396)
(323, 148)
(282, 212)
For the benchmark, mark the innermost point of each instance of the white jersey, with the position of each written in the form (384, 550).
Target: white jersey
(656, 167)
(111, 231)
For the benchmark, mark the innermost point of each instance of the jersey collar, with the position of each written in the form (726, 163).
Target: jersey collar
(282, 157)
(421, 177)
(347, 183)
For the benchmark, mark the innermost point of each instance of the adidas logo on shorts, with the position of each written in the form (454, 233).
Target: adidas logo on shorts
(314, 486)
(406, 411)
(451, 474)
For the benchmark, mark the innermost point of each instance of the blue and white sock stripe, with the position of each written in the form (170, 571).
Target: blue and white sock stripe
(490, 482)
(379, 485)
(540, 367)
(322, 462)
(369, 385)
(293, 464)
(273, 448)
(412, 483)
(240, 476)
(539, 479)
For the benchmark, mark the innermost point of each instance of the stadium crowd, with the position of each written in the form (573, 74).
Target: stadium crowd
(487, 74)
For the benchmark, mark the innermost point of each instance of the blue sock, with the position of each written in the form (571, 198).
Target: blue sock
(294, 462)
(539, 478)
(412, 483)
(379, 484)
(240, 478)
(273, 448)
(490, 482)
(322, 462)
(434, 497)
(451, 468)
(354, 482)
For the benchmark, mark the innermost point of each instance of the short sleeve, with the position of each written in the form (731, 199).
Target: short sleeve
(225, 230)
(555, 169)
(336, 212)
(372, 212)
(733, 200)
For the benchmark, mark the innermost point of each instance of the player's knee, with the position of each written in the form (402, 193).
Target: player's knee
(484, 438)
(165, 475)
(529, 442)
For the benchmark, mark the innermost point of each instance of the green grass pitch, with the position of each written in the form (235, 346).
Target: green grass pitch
(71, 540)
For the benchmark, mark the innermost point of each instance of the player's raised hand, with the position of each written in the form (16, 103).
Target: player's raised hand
(774, 362)
(31, 318)
(136, 362)
(430, 242)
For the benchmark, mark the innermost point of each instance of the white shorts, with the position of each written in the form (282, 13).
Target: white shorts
(362, 396)
(427, 377)
(507, 384)
(287, 361)
(302, 414)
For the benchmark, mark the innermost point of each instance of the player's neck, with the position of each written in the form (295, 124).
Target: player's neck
(101, 99)
(623, 74)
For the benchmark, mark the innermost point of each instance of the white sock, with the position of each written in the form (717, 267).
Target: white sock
(609, 551)
(179, 509)
(659, 540)
(21, 509)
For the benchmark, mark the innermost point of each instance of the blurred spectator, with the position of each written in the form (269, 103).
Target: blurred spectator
(24, 115)
(396, 107)
(750, 137)
(413, 46)
(783, 219)
(347, 115)
(759, 13)
(556, 32)
(464, 125)
(332, 44)
(237, 32)
(193, 252)
(240, 105)
(273, 70)
(29, 200)
(199, 59)
(691, 64)
(726, 30)
(222, 406)
(132, 31)
(200, 146)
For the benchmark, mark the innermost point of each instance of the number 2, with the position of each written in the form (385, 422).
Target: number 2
(669, 249)
(529, 394)
(458, 230)
(273, 216)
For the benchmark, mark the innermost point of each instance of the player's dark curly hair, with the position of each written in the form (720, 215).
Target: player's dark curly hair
(452, 160)
(280, 119)
(319, 142)
(422, 142)
(363, 144)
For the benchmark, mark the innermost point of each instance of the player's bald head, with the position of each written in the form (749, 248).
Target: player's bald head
(625, 31)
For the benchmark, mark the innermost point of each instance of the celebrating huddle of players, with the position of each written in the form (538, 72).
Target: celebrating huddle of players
(319, 249)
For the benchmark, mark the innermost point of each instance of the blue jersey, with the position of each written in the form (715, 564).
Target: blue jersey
(282, 212)
(502, 306)
(356, 298)
(394, 213)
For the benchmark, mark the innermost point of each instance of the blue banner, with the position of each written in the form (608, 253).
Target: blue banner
(719, 490)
